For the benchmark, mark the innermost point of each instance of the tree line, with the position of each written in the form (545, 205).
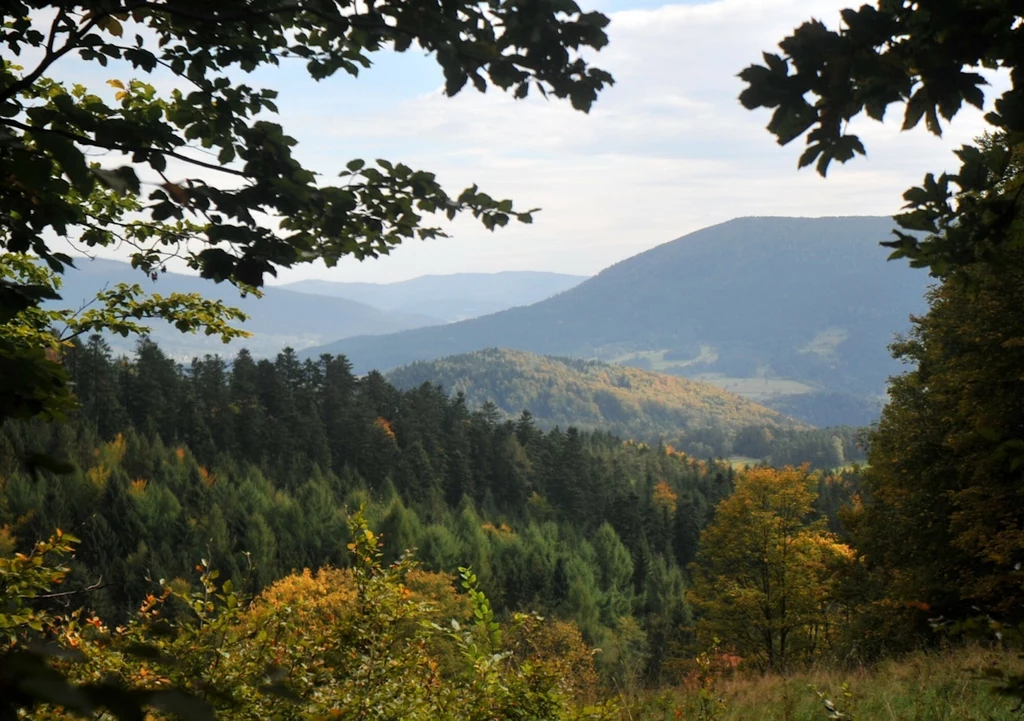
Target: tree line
(253, 465)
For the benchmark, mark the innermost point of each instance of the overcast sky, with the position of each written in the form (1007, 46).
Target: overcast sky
(666, 151)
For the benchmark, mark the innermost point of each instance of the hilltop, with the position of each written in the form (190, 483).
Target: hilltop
(590, 395)
(792, 312)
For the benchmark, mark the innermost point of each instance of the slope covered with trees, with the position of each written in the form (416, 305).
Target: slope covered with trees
(586, 394)
(254, 466)
(696, 417)
(800, 299)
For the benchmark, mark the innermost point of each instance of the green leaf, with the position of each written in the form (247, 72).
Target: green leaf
(68, 157)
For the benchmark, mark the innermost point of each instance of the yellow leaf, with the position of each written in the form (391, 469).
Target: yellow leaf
(116, 84)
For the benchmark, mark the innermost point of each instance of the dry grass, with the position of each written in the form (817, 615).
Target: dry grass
(948, 686)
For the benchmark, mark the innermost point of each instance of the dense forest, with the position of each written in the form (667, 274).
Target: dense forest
(254, 466)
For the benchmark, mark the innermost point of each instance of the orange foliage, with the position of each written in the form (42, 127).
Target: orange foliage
(7, 541)
(138, 486)
(324, 596)
(501, 530)
(385, 426)
(560, 644)
(209, 479)
(664, 497)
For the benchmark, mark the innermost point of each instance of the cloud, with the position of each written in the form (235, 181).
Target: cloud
(666, 151)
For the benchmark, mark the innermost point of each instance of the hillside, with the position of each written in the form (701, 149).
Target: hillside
(795, 311)
(589, 394)
(281, 318)
(449, 297)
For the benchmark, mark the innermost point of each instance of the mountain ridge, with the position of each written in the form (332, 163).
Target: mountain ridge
(450, 297)
(810, 301)
(281, 318)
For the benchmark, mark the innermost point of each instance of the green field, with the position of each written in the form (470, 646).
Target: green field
(756, 388)
(662, 365)
(740, 462)
(827, 342)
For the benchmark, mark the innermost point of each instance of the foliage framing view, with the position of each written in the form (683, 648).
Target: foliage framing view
(226, 192)
(926, 55)
(941, 532)
(934, 530)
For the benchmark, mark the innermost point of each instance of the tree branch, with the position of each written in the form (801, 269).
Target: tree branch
(86, 140)
(64, 594)
(51, 55)
(218, 18)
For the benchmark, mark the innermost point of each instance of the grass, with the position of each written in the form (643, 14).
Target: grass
(741, 462)
(946, 686)
(754, 389)
(827, 342)
(661, 364)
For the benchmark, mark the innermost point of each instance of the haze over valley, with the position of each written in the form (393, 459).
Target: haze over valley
(796, 313)
(792, 313)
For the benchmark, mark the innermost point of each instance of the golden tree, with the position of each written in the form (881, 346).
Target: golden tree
(764, 571)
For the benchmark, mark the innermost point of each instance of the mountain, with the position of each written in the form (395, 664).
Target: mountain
(771, 308)
(449, 297)
(588, 394)
(281, 318)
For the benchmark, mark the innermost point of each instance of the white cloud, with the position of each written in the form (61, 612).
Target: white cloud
(666, 151)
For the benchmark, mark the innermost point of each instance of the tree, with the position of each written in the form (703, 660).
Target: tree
(763, 573)
(924, 54)
(944, 514)
(614, 568)
(218, 169)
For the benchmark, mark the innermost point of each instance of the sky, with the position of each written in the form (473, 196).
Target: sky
(666, 151)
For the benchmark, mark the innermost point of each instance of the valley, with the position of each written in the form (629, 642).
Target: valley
(796, 313)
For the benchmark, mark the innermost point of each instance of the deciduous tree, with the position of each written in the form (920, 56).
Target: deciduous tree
(763, 573)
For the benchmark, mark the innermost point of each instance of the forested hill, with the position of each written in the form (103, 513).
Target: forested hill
(281, 318)
(589, 394)
(698, 418)
(449, 297)
(811, 301)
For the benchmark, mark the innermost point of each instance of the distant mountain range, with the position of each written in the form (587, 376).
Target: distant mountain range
(448, 297)
(794, 312)
(589, 394)
(281, 318)
(308, 313)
